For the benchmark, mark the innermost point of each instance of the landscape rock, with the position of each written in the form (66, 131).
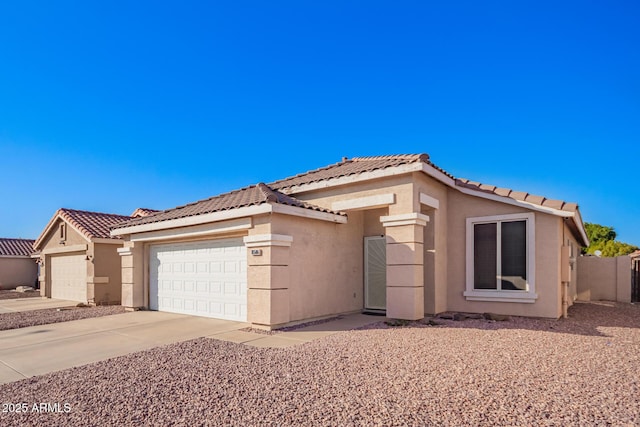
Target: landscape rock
(496, 317)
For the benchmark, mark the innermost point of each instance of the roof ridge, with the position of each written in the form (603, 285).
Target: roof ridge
(90, 212)
(269, 193)
(341, 162)
(421, 156)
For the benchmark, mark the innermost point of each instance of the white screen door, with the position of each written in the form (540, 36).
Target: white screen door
(375, 273)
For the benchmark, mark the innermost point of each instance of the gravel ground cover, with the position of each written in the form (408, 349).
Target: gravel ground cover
(24, 319)
(580, 371)
(11, 294)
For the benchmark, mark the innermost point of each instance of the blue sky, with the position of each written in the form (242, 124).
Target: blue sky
(109, 106)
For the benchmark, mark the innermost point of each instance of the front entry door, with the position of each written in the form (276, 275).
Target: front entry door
(375, 273)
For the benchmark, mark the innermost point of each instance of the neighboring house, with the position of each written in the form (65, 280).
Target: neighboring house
(78, 256)
(17, 268)
(393, 234)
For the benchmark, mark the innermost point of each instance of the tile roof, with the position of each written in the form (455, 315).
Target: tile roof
(358, 165)
(517, 195)
(93, 225)
(248, 196)
(140, 212)
(274, 192)
(16, 247)
(354, 166)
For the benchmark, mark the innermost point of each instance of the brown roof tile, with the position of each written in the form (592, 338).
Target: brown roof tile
(94, 225)
(504, 192)
(554, 204)
(516, 195)
(248, 196)
(537, 200)
(354, 166)
(16, 247)
(140, 212)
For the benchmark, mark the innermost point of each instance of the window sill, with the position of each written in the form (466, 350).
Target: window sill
(501, 296)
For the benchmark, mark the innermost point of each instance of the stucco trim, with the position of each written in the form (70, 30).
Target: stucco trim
(501, 298)
(97, 280)
(369, 202)
(413, 218)
(308, 213)
(193, 231)
(126, 251)
(427, 200)
(107, 241)
(261, 240)
(440, 176)
(65, 249)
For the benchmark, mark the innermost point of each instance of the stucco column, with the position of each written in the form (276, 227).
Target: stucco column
(268, 279)
(132, 258)
(405, 265)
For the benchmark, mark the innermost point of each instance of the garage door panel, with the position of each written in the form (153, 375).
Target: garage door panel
(204, 278)
(69, 277)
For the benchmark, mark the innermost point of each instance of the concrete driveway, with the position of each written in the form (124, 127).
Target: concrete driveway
(35, 303)
(38, 350)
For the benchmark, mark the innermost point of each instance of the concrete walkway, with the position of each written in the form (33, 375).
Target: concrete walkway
(38, 350)
(34, 303)
(301, 335)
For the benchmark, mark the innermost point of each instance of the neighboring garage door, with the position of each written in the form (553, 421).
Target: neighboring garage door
(69, 277)
(206, 278)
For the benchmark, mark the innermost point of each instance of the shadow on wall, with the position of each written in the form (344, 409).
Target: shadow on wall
(585, 318)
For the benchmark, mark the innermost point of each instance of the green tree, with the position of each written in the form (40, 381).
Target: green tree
(599, 233)
(603, 239)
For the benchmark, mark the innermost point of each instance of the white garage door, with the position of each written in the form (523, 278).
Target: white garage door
(69, 277)
(204, 279)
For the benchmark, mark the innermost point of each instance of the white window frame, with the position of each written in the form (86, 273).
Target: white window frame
(526, 296)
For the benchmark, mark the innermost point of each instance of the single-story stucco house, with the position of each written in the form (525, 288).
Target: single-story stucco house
(393, 234)
(17, 268)
(78, 256)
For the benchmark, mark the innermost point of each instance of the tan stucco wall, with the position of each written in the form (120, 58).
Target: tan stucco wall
(548, 231)
(607, 279)
(325, 265)
(52, 240)
(107, 274)
(401, 186)
(435, 244)
(17, 272)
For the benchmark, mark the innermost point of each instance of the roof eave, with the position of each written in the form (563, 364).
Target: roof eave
(241, 212)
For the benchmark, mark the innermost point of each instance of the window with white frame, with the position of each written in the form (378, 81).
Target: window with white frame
(501, 258)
